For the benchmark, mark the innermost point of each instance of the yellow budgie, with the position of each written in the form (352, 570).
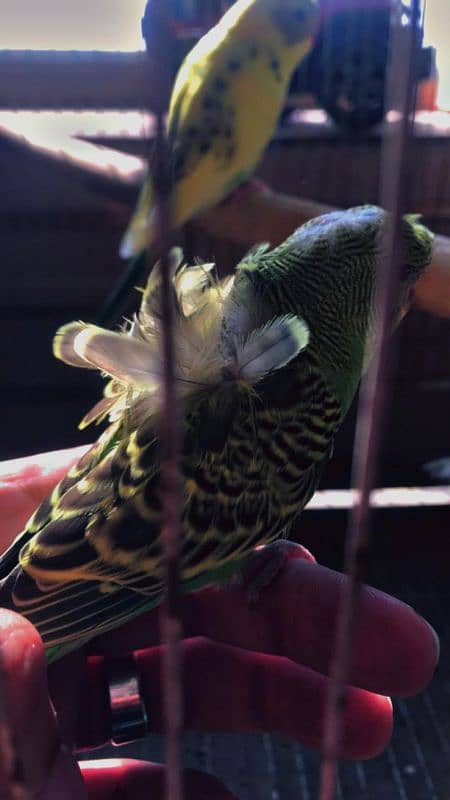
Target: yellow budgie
(225, 104)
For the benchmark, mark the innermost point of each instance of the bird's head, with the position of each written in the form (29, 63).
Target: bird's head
(295, 19)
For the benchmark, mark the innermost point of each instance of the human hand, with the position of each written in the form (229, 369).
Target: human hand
(266, 668)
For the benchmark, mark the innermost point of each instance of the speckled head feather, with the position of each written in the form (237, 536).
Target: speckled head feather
(295, 20)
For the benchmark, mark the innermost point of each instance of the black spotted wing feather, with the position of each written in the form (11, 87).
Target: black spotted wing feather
(202, 94)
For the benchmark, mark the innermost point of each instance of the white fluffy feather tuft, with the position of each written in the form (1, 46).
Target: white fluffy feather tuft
(270, 347)
(217, 337)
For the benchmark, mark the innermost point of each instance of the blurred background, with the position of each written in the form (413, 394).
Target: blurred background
(74, 128)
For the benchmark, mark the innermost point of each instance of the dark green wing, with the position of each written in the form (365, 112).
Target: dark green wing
(43, 514)
(63, 584)
(276, 448)
(250, 463)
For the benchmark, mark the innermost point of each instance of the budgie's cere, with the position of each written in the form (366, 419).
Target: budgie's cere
(267, 365)
(225, 104)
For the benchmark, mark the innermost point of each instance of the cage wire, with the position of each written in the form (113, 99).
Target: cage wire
(157, 39)
(397, 168)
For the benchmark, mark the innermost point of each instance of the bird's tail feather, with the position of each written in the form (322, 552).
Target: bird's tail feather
(140, 232)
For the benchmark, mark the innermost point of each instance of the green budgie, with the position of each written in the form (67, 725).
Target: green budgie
(268, 362)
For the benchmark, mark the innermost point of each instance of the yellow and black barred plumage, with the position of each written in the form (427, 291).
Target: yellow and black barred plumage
(267, 365)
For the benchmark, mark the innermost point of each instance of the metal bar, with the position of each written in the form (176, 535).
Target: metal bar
(373, 392)
(158, 40)
(171, 614)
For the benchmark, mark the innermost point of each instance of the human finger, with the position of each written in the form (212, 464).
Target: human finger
(129, 779)
(232, 689)
(395, 649)
(38, 763)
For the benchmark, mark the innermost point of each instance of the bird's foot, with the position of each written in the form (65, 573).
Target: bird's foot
(262, 566)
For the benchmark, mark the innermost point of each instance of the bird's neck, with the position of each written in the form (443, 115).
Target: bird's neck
(337, 337)
(248, 26)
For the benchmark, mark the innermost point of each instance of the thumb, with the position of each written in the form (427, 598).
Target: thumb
(32, 759)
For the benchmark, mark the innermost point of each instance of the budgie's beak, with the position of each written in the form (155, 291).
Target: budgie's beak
(402, 313)
(404, 307)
